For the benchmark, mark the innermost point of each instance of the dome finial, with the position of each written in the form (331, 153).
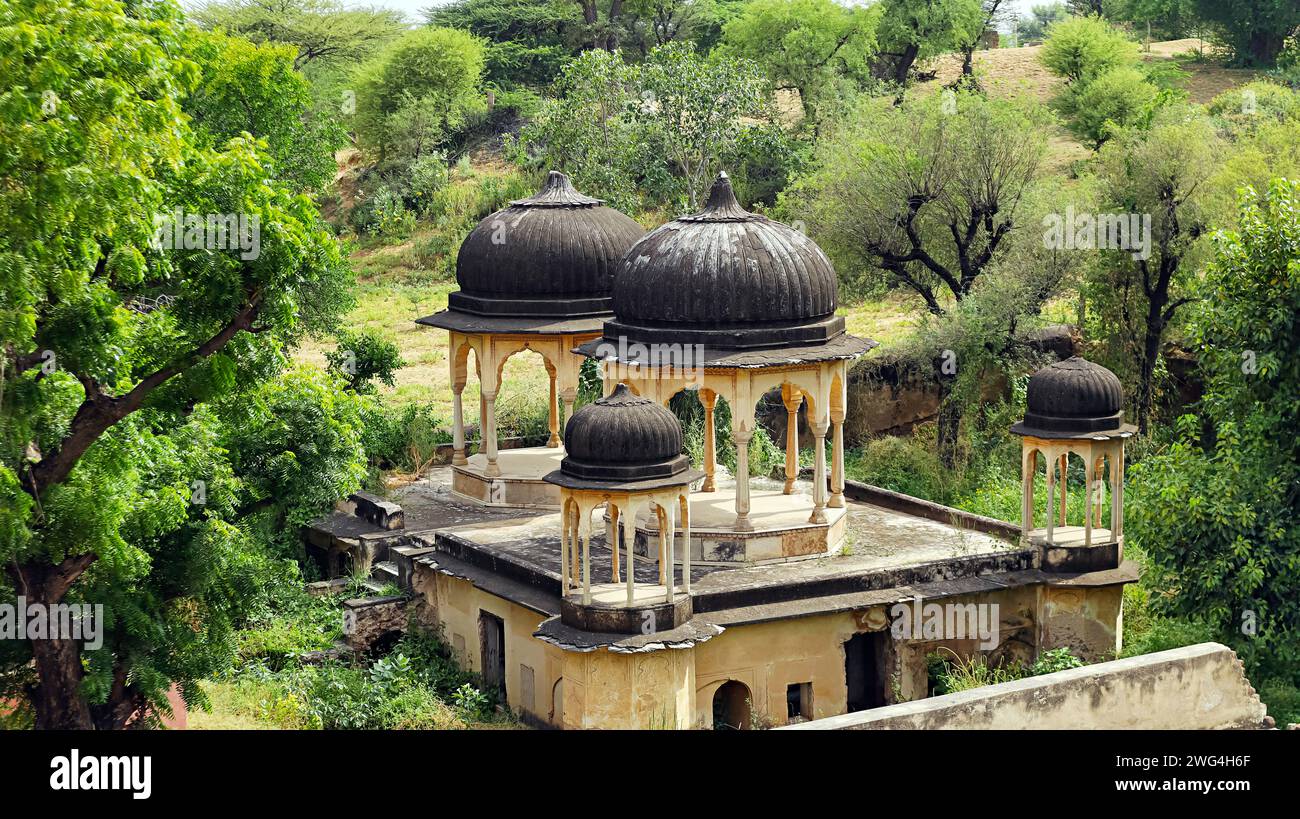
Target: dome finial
(721, 205)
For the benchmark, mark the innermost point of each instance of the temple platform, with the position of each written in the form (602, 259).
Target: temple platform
(520, 483)
(781, 528)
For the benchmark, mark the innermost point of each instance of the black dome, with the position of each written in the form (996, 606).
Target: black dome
(728, 279)
(1074, 396)
(552, 254)
(623, 438)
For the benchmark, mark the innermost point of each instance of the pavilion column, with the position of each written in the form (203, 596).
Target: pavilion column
(564, 548)
(1088, 485)
(741, 437)
(837, 461)
(569, 397)
(490, 434)
(1051, 499)
(577, 513)
(1065, 492)
(819, 474)
(554, 414)
(585, 528)
(793, 399)
(1117, 492)
(612, 532)
(661, 518)
(629, 535)
(685, 503)
(1098, 482)
(670, 528)
(457, 425)
(710, 400)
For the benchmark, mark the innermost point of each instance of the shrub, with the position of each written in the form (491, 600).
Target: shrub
(1118, 98)
(427, 175)
(1080, 49)
(1242, 111)
(362, 358)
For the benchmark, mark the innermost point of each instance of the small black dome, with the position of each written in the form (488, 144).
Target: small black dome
(553, 254)
(728, 279)
(1074, 396)
(623, 437)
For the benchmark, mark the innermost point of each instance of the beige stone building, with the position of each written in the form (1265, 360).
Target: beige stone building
(623, 587)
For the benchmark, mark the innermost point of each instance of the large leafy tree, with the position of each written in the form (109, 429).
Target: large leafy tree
(1218, 512)
(527, 41)
(915, 30)
(1162, 174)
(432, 76)
(117, 355)
(805, 45)
(1255, 29)
(321, 31)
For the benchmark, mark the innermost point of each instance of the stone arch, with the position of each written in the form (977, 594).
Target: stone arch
(732, 707)
(557, 702)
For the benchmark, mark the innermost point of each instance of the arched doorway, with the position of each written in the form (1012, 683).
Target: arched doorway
(731, 707)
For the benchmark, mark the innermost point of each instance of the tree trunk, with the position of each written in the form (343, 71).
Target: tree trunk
(905, 62)
(58, 700)
(1150, 352)
(1264, 48)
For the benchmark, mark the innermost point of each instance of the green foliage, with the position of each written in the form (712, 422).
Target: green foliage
(918, 30)
(1243, 111)
(655, 133)
(805, 45)
(950, 673)
(1216, 512)
(363, 358)
(1255, 30)
(321, 31)
(1113, 100)
(247, 88)
(1081, 49)
(527, 42)
(1033, 26)
(417, 89)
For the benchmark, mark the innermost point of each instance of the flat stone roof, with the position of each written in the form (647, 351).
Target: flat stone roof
(890, 555)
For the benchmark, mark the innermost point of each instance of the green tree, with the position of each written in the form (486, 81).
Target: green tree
(915, 30)
(1162, 173)
(435, 71)
(1218, 512)
(1256, 30)
(112, 347)
(1080, 49)
(254, 89)
(1034, 25)
(528, 41)
(804, 45)
(322, 31)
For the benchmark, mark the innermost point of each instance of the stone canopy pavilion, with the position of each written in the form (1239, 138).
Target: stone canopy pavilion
(536, 276)
(733, 304)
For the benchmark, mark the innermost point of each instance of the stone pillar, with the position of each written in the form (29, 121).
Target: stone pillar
(741, 439)
(611, 532)
(490, 434)
(670, 527)
(685, 502)
(554, 413)
(1051, 499)
(837, 461)
(792, 399)
(819, 474)
(665, 537)
(458, 425)
(585, 527)
(1028, 471)
(1065, 491)
(569, 397)
(629, 535)
(710, 400)
(564, 547)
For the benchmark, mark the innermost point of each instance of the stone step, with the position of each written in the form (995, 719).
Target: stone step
(384, 571)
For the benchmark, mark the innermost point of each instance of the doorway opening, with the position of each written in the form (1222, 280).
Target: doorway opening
(492, 645)
(731, 707)
(864, 670)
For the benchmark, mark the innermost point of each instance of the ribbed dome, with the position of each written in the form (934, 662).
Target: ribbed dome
(552, 254)
(725, 278)
(1074, 396)
(623, 438)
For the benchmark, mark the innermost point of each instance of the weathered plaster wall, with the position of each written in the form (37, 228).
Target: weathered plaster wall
(456, 604)
(1196, 687)
(649, 690)
(1087, 620)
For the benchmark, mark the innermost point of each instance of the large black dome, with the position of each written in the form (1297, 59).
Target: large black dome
(553, 254)
(623, 437)
(728, 279)
(1072, 397)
